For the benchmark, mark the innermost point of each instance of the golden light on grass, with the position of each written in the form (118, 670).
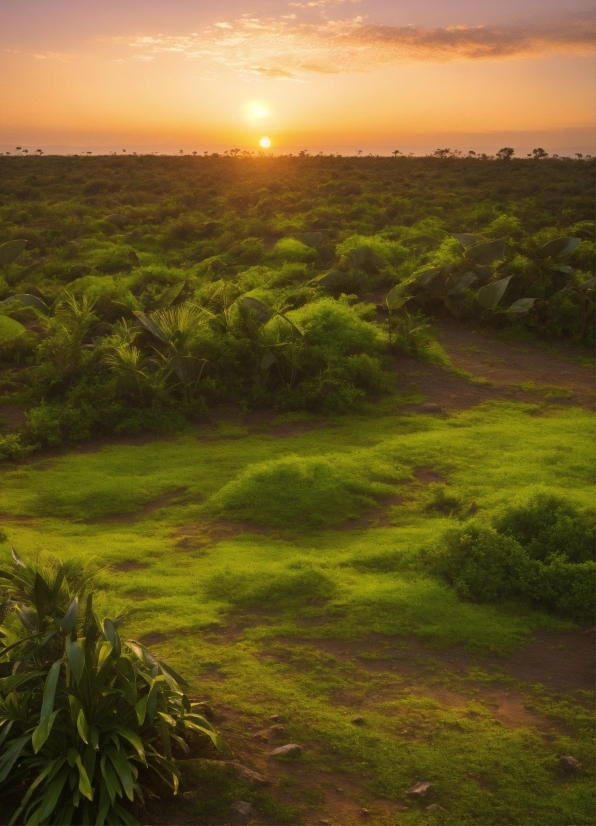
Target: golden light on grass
(265, 143)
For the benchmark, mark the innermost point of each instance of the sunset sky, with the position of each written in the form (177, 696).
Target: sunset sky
(330, 75)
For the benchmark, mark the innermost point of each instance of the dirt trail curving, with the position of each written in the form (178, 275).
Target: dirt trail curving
(511, 371)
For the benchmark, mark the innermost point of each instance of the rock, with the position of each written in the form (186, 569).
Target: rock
(358, 721)
(419, 790)
(365, 812)
(252, 779)
(570, 764)
(429, 407)
(289, 750)
(277, 732)
(434, 807)
(241, 807)
(275, 718)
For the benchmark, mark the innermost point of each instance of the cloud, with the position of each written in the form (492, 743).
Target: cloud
(288, 48)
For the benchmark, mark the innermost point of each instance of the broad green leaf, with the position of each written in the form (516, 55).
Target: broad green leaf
(487, 253)
(113, 636)
(333, 278)
(111, 779)
(27, 301)
(84, 783)
(123, 771)
(587, 285)
(565, 268)
(522, 306)
(141, 709)
(365, 258)
(67, 623)
(453, 305)
(76, 658)
(10, 755)
(262, 312)
(17, 559)
(43, 730)
(150, 325)
(267, 361)
(134, 740)
(395, 299)
(10, 251)
(50, 798)
(490, 295)
(49, 690)
(83, 726)
(10, 328)
(420, 240)
(312, 239)
(468, 239)
(560, 247)
(466, 280)
(424, 279)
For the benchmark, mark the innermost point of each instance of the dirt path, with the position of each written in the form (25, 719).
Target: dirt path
(512, 372)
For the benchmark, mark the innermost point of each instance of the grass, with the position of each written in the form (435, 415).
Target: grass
(253, 569)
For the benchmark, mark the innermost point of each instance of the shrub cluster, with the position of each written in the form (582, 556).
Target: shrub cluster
(541, 551)
(89, 722)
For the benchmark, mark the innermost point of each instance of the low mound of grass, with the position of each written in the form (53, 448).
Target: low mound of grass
(289, 588)
(306, 491)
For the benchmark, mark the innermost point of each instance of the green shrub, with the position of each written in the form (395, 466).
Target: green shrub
(547, 524)
(87, 720)
(12, 447)
(478, 562)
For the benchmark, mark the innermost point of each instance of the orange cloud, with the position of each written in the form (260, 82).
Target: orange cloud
(286, 48)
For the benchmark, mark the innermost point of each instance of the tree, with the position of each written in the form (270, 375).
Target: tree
(441, 153)
(395, 153)
(506, 153)
(538, 153)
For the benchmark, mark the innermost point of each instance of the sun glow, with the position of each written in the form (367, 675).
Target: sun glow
(256, 111)
(265, 143)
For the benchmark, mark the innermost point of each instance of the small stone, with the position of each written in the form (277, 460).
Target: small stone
(430, 408)
(358, 721)
(241, 807)
(365, 812)
(419, 790)
(569, 763)
(434, 807)
(275, 718)
(247, 775)
(289, 750)
(277, 732)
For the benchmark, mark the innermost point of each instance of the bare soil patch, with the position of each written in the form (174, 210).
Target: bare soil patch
(129, 565)
(162, 501)
(12, 417)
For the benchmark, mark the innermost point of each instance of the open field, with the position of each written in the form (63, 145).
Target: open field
(317, 613)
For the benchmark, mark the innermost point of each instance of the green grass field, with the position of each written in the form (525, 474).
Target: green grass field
(273, 562)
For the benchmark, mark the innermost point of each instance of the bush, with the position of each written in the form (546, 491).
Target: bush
(478, 562)
(538, 551)
(547, 524)
(87, 720)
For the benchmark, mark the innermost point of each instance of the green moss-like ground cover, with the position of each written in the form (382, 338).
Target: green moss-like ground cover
(250, 555)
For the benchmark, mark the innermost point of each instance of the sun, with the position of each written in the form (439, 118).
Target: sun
(265, 143)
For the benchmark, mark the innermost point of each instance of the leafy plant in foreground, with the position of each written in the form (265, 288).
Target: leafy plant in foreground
(85, 717)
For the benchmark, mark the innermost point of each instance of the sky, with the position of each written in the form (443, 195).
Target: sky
(320, 75)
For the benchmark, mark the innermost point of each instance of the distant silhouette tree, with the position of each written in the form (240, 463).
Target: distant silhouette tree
(506, 153)
(441, 153)
(538, 153)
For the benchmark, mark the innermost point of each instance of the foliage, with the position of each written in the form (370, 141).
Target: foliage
(86, 718)
(128, 285)
(540, 550)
